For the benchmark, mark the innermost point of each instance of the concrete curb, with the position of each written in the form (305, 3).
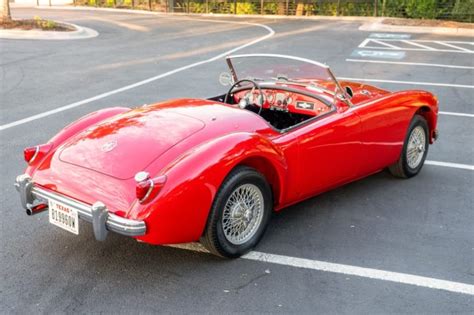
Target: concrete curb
(372, 24)
(378, 26)
(211, 15)
(79, 33)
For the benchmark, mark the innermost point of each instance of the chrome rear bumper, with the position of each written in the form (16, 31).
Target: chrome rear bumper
(102, 221)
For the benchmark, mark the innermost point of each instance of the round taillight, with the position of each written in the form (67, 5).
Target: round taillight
(148, 188)
(31, 153)
(143, 190)
(35, 153)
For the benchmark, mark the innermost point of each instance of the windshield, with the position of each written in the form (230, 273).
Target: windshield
(269, 68)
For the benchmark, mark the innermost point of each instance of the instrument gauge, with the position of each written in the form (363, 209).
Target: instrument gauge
(249, 97)
(280, 98)
(270, 97)
(289, 100)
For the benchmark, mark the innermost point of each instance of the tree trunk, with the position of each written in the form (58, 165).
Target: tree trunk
(6, 15)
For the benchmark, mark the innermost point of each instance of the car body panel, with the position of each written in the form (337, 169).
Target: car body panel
(107, 146)
(196, 143)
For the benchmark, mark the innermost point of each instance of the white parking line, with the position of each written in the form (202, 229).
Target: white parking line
(452, 165)
(453, 46)
(397, 44)
(409, 63)
(376, 274)
(384, 44)
(417, 45)
(271, 32)
(409, 82)
(457, 114)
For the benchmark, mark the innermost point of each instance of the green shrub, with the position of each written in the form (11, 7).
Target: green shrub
(422, 9)
(460, 10)
(246, 8)
(270, 8)
(463, 10)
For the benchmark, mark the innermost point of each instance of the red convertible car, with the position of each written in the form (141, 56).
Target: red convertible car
(213, 170)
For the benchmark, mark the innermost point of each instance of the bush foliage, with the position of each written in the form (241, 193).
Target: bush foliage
(458, 10)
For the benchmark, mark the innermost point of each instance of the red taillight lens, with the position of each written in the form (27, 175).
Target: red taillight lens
(30, 153)
(35, 153)
(148, 189)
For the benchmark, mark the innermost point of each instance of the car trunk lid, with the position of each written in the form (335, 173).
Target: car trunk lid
(126, 144)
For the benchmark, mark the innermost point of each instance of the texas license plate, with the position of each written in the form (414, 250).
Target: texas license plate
(63, 216)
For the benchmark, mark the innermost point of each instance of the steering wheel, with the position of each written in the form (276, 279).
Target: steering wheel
(244, 102)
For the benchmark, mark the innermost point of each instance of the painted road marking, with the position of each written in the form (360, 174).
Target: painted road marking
(409, 63)
(370, 273)
(384, 44)
(389, 36)
(131, 86)
(409, 82)
(457, 114)
(452, 165)
(376, 274)
(271, 32)
(452, 46)
(378, 54)
(421, 45)
(417, 44)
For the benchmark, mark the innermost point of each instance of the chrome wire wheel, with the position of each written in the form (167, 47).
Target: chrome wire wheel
(416, 147)
(243, 214)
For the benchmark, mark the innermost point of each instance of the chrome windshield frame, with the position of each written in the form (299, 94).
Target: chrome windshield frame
(345, 98)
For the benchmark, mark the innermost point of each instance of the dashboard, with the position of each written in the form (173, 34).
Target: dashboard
(284, 101)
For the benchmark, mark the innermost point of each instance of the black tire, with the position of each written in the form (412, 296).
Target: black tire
(402, 168)
(214, 238)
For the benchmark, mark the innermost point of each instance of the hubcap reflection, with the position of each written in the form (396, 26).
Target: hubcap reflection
(243, 213)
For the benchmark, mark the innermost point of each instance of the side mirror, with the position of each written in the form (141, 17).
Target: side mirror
(226, 79)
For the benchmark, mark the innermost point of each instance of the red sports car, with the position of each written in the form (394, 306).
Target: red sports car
(215, 169)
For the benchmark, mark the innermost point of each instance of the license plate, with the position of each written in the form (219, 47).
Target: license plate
(63, 216)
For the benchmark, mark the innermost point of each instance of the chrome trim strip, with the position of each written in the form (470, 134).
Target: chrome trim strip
(279, 56)
(346, 97)
(148, 193)
(30, 193)
(234, 74)
(37, 148)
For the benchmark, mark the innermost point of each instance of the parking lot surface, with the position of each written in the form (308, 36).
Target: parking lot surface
(417, 227)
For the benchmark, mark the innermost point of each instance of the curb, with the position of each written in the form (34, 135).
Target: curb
(372, 24)
(79, 33)
(210, 15)
(378, 26)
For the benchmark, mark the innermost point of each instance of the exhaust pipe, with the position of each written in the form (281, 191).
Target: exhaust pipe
(31, 210)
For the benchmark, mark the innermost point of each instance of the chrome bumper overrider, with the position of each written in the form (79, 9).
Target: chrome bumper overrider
(102, 221)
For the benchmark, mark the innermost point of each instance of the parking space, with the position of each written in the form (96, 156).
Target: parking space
(417, 227)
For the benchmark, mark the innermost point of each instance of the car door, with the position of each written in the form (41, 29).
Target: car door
(329, 152)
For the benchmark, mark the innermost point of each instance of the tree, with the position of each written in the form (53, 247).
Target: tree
(5, 10)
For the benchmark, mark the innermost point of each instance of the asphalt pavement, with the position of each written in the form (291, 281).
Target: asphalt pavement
(422, 226)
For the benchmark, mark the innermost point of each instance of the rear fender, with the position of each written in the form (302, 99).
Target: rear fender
(181, 211)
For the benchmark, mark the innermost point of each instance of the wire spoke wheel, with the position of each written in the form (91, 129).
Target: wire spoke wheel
(414, 150)
(416, 147)
(240, 213)
(243, 214)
